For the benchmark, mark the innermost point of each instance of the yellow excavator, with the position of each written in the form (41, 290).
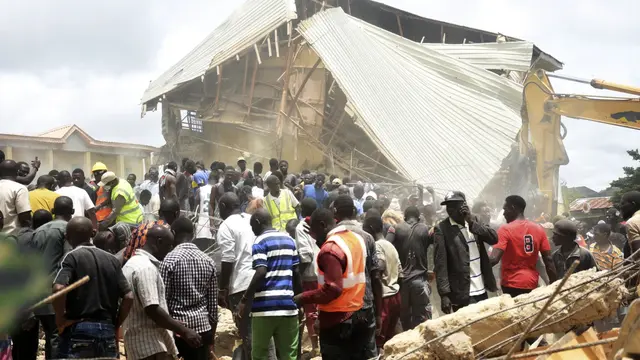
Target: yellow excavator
(542, 133)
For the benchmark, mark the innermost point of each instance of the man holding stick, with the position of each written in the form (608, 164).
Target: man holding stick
(89, 317)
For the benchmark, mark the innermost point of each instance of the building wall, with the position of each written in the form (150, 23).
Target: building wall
(64, 159)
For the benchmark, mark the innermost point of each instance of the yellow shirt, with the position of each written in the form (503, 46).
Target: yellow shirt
(42, 199)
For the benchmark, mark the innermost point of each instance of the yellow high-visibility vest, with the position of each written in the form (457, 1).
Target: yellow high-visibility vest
(131, 212)
(280, 215)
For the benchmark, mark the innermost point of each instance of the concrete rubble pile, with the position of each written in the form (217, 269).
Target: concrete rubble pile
(601, 303)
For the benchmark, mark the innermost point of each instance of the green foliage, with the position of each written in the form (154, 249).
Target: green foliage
(631, 179)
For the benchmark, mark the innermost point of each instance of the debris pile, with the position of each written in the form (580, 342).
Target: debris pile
(587, 296)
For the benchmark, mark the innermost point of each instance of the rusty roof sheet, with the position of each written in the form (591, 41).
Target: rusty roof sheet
(603, 202)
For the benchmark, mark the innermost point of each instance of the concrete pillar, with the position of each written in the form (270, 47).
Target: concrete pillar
(120, 172)
(144, 167)
(49, 159)
(87, 163)
(8, 152)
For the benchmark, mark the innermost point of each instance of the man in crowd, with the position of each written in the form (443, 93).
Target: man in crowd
(520, 243)
(103, 197)
(80, 181)
(114, 239)
(630, 211)
(289, 179)
(618, 237)
(201, 177)
(316, 190)
(269, 296)
(167, 185)
(90, 313)
(235, 239)
(206, 226)
(564, 236)
(257, 170)
(391, 274)
(345, 214)
(606, 254)
(273, 167)
(308, 251)
(192, 291)
(149, 328)
(412, 241)
(26, 175)
(131, 179)
(14, 199)
(281, 204)
(125, 205)
(221, 188)
(82, 204)
(49, 241)
(344, 328)
(462, 237)
(242, 165)
(168, 213)
(150, 205)
(151, 183)
(183, 184)
(43, 196)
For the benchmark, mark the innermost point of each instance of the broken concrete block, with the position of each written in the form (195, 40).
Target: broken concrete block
(598, 304)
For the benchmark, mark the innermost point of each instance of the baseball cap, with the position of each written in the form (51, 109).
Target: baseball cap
(336, 181)
(107, 177)
(241, 158)
(453, 196)
(99, 167)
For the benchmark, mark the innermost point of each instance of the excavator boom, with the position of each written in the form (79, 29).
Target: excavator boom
(543, 130)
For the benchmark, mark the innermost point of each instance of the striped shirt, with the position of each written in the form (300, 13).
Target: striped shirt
(475, 269)
(277, 252)
(606, 258)
(142, 337)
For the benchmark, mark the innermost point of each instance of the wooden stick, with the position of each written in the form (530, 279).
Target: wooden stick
(65, 291)
(544, 308)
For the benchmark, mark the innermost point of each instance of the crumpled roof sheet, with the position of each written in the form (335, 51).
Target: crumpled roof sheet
(594, 203)
(515, 55)
(248, 25)
(440, 121)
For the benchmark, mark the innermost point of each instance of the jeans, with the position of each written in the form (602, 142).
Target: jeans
(348, 340)
(188, 353)
(244, 328)
(472, 300)
(86, 340)
(416, 306)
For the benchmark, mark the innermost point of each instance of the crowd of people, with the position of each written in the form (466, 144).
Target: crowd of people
(344, 259)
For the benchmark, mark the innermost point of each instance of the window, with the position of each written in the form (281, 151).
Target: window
(191, 122)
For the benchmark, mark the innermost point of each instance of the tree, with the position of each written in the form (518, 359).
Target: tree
(631, 179)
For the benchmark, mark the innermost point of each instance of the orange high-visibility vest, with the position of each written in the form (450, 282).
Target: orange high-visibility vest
(103, 204)
(353, 278)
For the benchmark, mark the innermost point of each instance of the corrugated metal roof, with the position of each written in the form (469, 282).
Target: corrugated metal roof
(441, 121)
(603, 202)
(248, 25)
(514, 56)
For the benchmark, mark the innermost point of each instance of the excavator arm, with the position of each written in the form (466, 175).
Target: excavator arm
(542, 130)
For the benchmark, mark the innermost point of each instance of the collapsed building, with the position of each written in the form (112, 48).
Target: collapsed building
(353, 87)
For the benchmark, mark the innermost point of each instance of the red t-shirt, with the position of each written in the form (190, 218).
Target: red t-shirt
(521, 241)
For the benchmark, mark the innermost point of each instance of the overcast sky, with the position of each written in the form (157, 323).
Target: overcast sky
(88, 63)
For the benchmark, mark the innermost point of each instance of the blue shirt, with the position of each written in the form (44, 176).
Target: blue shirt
(201, 178)
(358, 206)
(277, 252)
(319, 194)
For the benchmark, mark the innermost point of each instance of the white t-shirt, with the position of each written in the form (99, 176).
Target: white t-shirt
(14, 200)
(81, 200)
(236, 238)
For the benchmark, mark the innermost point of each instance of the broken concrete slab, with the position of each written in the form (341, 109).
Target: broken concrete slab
(599, 303)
